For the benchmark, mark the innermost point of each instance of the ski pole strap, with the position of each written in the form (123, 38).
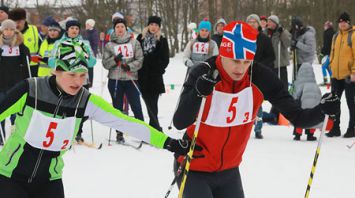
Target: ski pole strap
(310, 180)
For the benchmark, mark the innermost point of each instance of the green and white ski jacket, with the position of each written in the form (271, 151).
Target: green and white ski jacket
(21, 161)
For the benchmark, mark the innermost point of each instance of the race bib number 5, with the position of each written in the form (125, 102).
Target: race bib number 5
(50, 135)
(230, 109)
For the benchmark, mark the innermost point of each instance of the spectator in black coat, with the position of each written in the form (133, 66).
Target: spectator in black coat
(264, 55)
(13, 64)
(156, 59)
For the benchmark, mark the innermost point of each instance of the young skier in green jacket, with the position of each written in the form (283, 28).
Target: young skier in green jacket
(49, 111)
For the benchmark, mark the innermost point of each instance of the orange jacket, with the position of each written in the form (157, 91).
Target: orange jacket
(342, 57)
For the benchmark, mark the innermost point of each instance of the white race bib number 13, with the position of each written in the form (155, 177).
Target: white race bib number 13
(230, 109)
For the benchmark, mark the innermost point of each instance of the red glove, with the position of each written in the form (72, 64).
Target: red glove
(36, 58)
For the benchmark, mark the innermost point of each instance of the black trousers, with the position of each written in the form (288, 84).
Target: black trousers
(339, 86)
(13, 189)
(151, 101)
(34, 70)
(224, 184)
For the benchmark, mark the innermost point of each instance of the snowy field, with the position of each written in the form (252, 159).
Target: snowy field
(275, 167)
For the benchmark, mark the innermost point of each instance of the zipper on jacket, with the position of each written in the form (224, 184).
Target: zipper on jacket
(39, 158)
(12, 155)
(229, 132)
(341, 45)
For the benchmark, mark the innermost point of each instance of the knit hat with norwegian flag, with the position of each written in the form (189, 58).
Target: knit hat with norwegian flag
(239, 41)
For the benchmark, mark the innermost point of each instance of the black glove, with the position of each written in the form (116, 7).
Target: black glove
(125, 67)
(179, 147)
(330, 104)
(280, 29)
(118, 58)
(293, 44)
(204, 85)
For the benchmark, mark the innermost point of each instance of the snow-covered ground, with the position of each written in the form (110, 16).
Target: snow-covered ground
(274, 167)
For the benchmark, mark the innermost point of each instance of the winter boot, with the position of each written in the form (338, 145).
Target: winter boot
(79, 139)
(310, 137)
(349, 133)
(258, 135)
(297, 137)
(334, 132)
(120, 138)
(325, 82)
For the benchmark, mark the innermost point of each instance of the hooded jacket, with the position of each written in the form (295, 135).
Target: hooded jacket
(342, 56)
(306, 45)
(218, 37)
(223, 147)
(135, 63)
(306, 90)
(13, 63)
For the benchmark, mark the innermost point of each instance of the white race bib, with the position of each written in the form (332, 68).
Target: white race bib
(48, 133)
(200, 48)
(125, 49)
(229, 110)
(10, 51)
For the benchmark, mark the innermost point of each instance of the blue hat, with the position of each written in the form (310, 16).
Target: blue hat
(205, 24)
(48, 20)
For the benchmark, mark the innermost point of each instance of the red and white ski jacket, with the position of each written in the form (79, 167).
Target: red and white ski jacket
(223, 147)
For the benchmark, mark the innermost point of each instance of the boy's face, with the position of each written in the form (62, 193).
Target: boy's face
(70, 82)
(219, 28)
(236, 69)
(343, 26)
(73, 31)
(20, 24)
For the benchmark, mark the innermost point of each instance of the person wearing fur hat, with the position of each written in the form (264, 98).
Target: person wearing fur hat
(156, 59)
(227, 90)
(13, 65)
(199, 49)
(342, 64)
(218, 29)
(123, 58)
(4, 13)
(31, 36)
(55, 32)
(264, 56)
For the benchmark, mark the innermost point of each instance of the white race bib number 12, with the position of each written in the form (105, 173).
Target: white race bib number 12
(125, 49)
(230, 109)
(200, 48)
